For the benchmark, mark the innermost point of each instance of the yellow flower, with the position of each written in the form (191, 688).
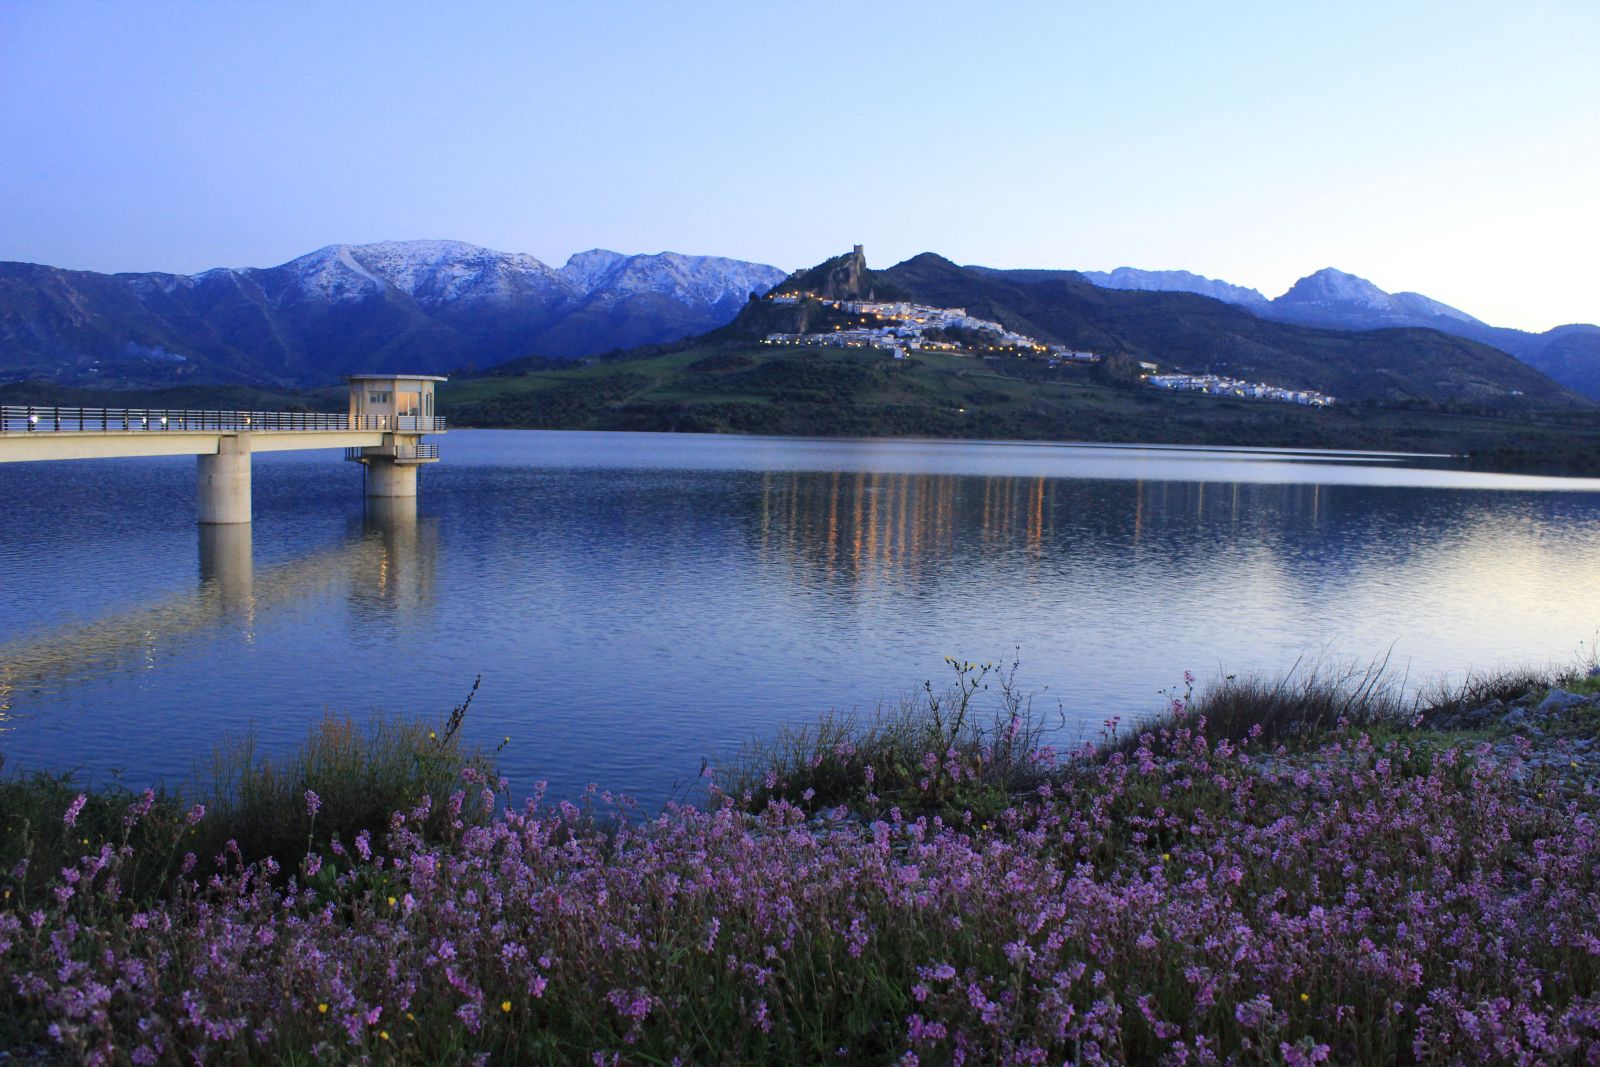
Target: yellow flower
(383, 1035)
(1165, 856)
(391, 902)
(1305, 998)
(322, 1009)
(410, 1018)
(505, 1005)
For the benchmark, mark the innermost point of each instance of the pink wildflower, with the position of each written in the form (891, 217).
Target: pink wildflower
(75, 809)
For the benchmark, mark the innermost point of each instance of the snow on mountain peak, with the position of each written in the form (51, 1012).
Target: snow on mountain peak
(587, 270)
(331, 273)
(433, 272)
(441, 272)
(702, 280)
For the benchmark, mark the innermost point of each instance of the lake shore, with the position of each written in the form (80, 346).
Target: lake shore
(1296, 870)
(954, 398)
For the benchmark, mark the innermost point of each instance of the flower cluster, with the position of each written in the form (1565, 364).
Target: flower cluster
(1179, 902)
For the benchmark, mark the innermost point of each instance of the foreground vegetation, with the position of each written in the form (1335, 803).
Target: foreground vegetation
(1289, 871)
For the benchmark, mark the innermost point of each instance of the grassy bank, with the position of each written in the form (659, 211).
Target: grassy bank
(1272, 871)
(243, 806)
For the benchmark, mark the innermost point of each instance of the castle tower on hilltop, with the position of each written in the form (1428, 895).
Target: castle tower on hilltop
(847, 276)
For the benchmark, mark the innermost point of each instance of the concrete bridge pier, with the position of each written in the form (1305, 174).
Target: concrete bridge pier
(225, 481)
(386, 514)
(386, 478)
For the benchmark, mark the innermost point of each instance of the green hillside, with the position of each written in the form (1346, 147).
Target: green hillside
(742, 388)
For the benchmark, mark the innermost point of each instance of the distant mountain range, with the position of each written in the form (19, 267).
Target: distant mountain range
(1334, 299)
(427, 306)
(1403, 365)
(437, 306)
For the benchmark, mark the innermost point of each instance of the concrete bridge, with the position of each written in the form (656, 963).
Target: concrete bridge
(383, 429)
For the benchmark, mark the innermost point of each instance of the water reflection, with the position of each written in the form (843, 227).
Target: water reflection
(227, 568)
(863, 528)
(394, 573)
(387, 567)
(636, 603)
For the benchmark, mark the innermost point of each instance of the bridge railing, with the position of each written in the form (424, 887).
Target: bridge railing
(421, 450)
(41, 419)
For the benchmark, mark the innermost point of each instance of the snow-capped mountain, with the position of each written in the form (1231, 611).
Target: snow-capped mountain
(433, 272)
(705, 281)
(1175, 281)
(429, 305)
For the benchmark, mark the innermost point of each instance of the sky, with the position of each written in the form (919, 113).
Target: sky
(1448, 148)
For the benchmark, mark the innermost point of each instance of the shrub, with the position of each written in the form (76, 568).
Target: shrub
(360, 777)
(935, 751)
(255, 804)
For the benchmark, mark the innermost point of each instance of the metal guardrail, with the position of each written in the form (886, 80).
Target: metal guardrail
(19, 418)
(402, 452)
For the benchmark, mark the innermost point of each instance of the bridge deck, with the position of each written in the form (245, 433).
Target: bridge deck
(41, 433)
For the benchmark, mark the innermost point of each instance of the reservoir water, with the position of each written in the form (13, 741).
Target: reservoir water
(637, 602)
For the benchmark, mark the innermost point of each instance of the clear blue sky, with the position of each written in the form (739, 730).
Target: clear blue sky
(1447, 148)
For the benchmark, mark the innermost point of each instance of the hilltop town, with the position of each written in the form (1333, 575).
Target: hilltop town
(901, 327)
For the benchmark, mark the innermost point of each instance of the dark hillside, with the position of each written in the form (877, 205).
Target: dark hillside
(1195, 333)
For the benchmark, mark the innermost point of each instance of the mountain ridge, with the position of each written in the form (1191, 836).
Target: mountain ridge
(436, 305)
(440, 305)
(1335, 299)
(1179, 330)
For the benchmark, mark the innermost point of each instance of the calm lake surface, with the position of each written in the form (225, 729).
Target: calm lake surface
(636, 602)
